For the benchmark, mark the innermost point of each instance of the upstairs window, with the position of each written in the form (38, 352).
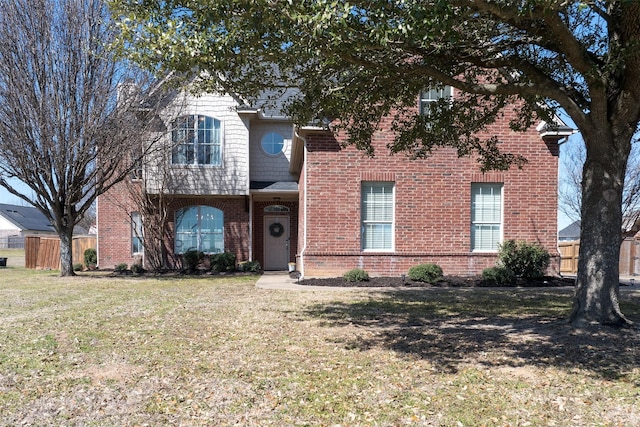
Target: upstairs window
(136, 163)
(431, 95)
(272, 143)
(197, 140)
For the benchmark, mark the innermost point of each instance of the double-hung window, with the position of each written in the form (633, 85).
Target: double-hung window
(197, 140)
(199, 228)
(486, 217)
(377, 216)
(430, 96)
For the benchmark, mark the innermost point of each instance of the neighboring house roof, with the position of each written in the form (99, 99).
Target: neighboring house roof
(570, 232)
(26, 218)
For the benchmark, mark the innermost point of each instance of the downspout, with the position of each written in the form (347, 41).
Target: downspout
(304, 205)
(560, 142)
(98, 232)
(250, 202)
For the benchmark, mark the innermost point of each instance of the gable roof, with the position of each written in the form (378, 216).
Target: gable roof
(571, 231)
(26, 217)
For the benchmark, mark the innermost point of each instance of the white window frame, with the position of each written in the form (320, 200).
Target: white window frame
(480, 223)
(367, 223)
(194, 138)
(268, 141)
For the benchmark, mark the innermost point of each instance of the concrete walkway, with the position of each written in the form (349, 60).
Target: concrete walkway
(282, 281)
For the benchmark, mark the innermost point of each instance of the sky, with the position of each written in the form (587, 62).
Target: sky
(10, 199)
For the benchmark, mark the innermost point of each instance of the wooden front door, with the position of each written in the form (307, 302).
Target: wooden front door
(276, 242)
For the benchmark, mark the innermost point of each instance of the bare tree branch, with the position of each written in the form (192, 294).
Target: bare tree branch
(66, 120)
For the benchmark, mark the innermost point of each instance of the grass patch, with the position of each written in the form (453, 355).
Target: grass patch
(99, 350)
(15, 257)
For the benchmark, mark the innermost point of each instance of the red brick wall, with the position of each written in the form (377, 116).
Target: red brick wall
(236, 221)
(432, 204)
(114, 224)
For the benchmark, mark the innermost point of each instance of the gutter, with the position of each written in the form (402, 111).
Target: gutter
(306, 190)
(304, 205)
(558, 131)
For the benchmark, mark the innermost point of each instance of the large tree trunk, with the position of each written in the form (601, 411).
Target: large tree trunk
(597, 285)
(66, 255)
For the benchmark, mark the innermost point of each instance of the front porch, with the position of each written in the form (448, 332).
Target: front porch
(274, 219)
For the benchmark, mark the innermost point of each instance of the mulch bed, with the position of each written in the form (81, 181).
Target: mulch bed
(445, 282)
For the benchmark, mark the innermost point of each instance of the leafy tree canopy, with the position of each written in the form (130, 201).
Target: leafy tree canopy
(357, 61)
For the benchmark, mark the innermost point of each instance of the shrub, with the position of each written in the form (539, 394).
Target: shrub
(526, 260)
(427, 273)
(191, 259)
(356, 275)
(77, 267)
(137, 268)
(226, 261)
(90, 258)
(251, 266)
(121, 268)
(497, 276)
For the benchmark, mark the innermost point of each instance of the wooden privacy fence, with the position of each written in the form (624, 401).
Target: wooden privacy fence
(44, 252)
(628, 263)
(569, 256)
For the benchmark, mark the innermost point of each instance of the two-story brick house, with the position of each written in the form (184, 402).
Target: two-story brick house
(247, 181)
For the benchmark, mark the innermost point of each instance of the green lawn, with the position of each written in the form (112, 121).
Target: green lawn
(214, 351)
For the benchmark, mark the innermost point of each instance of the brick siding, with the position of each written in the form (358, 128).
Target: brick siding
(432, 204)
(114, 224)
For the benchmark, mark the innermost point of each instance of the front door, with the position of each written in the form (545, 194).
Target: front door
(276, 242)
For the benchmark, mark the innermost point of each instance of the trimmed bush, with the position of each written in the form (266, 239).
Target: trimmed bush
(191, 259)
(427, 273)
(356, 275)
(525, 260)
(137, 268)
(226, 261)
(498, 276)
(251, 266)
(121, 268)
(77, 267)
(90, 258)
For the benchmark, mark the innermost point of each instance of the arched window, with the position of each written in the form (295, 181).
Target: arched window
(197, 140)
(276, 209)
(199, 228)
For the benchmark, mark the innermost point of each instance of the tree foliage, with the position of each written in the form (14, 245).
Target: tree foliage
(66, 102)
(354, 62)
